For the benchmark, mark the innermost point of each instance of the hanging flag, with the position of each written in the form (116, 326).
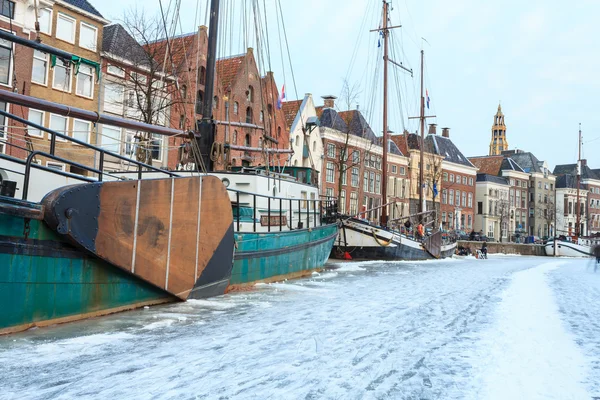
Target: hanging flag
(379, 39)
(435, 191)
(427, 97)
(281, 98)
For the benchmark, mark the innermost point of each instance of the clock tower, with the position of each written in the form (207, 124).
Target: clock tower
(498, 143)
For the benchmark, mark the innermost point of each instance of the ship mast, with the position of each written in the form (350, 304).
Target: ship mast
(578, 208)
(385, 33)
(422, 204)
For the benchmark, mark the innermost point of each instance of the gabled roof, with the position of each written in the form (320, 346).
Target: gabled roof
(508, 164)
(444, 147)
(290, 110)
(117, 41)
(331, 119)
(392, 148)
(526, 160)
(227, 68)
(358, 125)
(492, 178)
(571, 169)
(567, 181)
(491, 165)
(411, 141)
(85, 6)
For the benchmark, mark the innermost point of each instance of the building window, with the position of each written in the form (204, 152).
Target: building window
(199, 102)
(354, 179)
(366, 181)
(457, 198)
(55, 165)
(59, 124)
(470, 181)
(182, 122)
(344, 176)
(464, 180)
(85, 81)
(372, 182)
(113, 98)
(452, 178)
(479, 207)
(62, 77)
(6, 49)
(402, 171)
(329, 174)
(37, 117)
(65, 28)
(451, 197)
(353, 203)
(330, 150)
(247, 140)
(261, 117)
(394, 169)
(7, 8)
(45, 20)
(378, 184)
(250, 94)
(39, 72)
(249, 115)
(156, 142)
(470, 203)
(81, 130)
(88, 36)
(355, 157)
(445, 177)
(116, 71)
(444, 196)
(236, 107)
(111, 138)
(342, 202)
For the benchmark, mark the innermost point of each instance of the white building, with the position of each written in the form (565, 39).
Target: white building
(492, 206)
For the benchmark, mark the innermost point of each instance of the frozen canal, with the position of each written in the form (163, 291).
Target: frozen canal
(503, 328)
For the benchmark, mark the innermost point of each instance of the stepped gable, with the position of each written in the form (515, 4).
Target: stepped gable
(444, 147)
(85, 6)
(290, 110)
(228, 67)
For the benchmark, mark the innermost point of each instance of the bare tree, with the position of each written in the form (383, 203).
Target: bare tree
(152, 90)
(546, 210)
(502, 210)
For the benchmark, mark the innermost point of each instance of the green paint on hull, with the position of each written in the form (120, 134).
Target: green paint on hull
(38, 288)
(261, 256)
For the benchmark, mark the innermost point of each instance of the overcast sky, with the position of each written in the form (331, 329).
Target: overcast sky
(539, 58)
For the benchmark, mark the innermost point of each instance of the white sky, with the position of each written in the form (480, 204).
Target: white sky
(541, 59)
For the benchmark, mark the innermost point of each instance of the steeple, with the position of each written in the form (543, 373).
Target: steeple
(498, 143)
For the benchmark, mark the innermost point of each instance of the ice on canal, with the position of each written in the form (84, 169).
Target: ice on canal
(503, 328)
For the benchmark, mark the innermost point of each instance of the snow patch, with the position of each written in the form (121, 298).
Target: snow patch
(528, 354)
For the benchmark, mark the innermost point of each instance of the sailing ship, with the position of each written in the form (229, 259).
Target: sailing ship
(362, 239)
(75, 246)
(573, 245)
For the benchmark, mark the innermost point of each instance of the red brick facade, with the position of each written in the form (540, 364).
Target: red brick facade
(457, 200)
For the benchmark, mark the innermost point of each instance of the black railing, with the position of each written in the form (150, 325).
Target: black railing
(318, 209)
(101, 159)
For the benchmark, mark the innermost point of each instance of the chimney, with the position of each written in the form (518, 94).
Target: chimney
(432, 130)
(446, 132)
(328, 101)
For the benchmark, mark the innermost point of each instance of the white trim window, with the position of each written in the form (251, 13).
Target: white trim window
(61, 79)
(81, 130)
(113, 98)
(156, 147)
(3, 107)
(65, 28)
(45, 20)
(85, 82)
(329, 172)
(111, 138)
(56, 165)
(115, 70)
(7, 8)
(88, 36)
(39, 72)
(6, 49)
(59, 124)
(37, 117)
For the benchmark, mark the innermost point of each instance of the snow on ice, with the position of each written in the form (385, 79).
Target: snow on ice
(503, 328)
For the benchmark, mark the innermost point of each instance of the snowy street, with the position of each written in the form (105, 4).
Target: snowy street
(503, 328)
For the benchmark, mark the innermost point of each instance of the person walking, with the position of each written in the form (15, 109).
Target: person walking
(597, 255)
(484, 250)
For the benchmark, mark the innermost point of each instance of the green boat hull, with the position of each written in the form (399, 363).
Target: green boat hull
(275, 256)
(44, 280)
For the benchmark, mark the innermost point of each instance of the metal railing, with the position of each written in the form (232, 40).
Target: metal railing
(320, 208)
(51, 154)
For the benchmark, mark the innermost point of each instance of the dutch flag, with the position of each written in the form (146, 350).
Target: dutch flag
(427, 97)
(281, 98)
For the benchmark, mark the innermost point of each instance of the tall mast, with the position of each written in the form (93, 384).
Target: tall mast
(207, 126)
(422, 205)
(385, 123)
(577, 230)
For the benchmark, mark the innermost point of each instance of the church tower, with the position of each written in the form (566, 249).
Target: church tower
(499, 142)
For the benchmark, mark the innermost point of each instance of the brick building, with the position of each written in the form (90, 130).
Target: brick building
(518, 179)
(352, 165)
(74, 26)
(15, 75)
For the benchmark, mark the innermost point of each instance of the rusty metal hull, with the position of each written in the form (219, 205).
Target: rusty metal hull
(45, 280)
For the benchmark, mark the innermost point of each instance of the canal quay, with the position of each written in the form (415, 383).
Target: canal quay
(506, 327)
